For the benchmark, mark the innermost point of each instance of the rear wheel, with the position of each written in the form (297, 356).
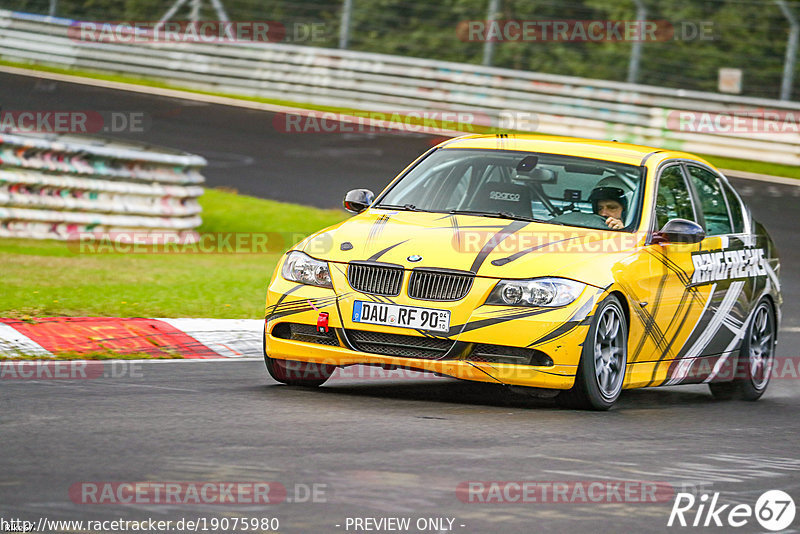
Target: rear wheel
(294, 373)
(756, 358)
(601, 371)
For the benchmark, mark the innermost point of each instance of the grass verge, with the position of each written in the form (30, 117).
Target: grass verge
(763, 167)
(53, 278)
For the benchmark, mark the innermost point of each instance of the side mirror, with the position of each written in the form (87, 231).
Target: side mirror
(679, 231)
(358, 200)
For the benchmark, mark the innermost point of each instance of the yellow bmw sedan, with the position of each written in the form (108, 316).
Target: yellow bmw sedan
(571, 267)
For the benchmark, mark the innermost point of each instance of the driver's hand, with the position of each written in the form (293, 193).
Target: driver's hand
(614, 224)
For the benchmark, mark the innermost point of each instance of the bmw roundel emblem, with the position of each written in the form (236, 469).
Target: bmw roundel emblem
(414, 258)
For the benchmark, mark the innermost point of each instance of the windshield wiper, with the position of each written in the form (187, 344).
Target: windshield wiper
(503, 215)
(495, 214)
(406, 207)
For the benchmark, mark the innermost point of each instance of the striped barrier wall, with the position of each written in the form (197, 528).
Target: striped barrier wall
(69, 187)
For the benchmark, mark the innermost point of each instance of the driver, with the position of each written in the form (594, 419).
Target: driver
(610, 203)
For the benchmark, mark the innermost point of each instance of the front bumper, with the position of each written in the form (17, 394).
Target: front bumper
(559, 333)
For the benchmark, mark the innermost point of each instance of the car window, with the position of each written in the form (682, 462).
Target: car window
(454, 195)
(423, 188)
(712, 200)
(673, 200)
(737, 212)
(544, 187)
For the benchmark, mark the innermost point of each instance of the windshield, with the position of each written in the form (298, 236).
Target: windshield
(519, 185)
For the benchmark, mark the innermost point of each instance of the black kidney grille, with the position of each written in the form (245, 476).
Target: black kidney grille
(438, 285)
(375, 279)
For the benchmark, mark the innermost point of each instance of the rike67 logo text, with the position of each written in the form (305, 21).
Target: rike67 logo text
(774, 510)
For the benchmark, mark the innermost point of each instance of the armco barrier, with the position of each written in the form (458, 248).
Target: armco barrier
(562, 105)
(68, 187)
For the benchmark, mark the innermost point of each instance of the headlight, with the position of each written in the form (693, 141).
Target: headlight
(300, 267)
(535, 292)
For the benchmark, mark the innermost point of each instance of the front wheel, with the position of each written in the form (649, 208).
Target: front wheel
(601, 372)
(294, 373)
(755, 361)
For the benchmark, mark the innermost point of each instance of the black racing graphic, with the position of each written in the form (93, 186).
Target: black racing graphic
(517, 255)
(380, 253)
(684, 317)
(377, 227)
(483, 323)
(502, 311)
(298, 306)
(682, 275)
(689, 298)
(494, 241)
(689, 305)
(283, 297)
(580, 317)
(651, 326)
(733, 321)
(682, 351)
(647, 320)
(456, 232)
(644, 160)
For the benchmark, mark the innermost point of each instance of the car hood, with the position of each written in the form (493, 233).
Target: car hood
(490, 247)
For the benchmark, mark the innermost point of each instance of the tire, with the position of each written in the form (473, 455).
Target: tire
(601, 371)
(756, 357)
(294, 373)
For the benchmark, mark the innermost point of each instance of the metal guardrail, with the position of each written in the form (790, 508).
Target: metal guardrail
(62, 187)
(561, 105)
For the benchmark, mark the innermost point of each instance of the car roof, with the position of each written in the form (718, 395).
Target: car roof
(569, 146)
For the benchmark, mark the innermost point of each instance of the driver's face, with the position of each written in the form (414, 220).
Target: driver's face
(609, 208)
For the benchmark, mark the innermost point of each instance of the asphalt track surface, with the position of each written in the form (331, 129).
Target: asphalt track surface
(382, 447)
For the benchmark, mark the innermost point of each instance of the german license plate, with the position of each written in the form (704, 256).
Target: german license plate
(402, 316)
